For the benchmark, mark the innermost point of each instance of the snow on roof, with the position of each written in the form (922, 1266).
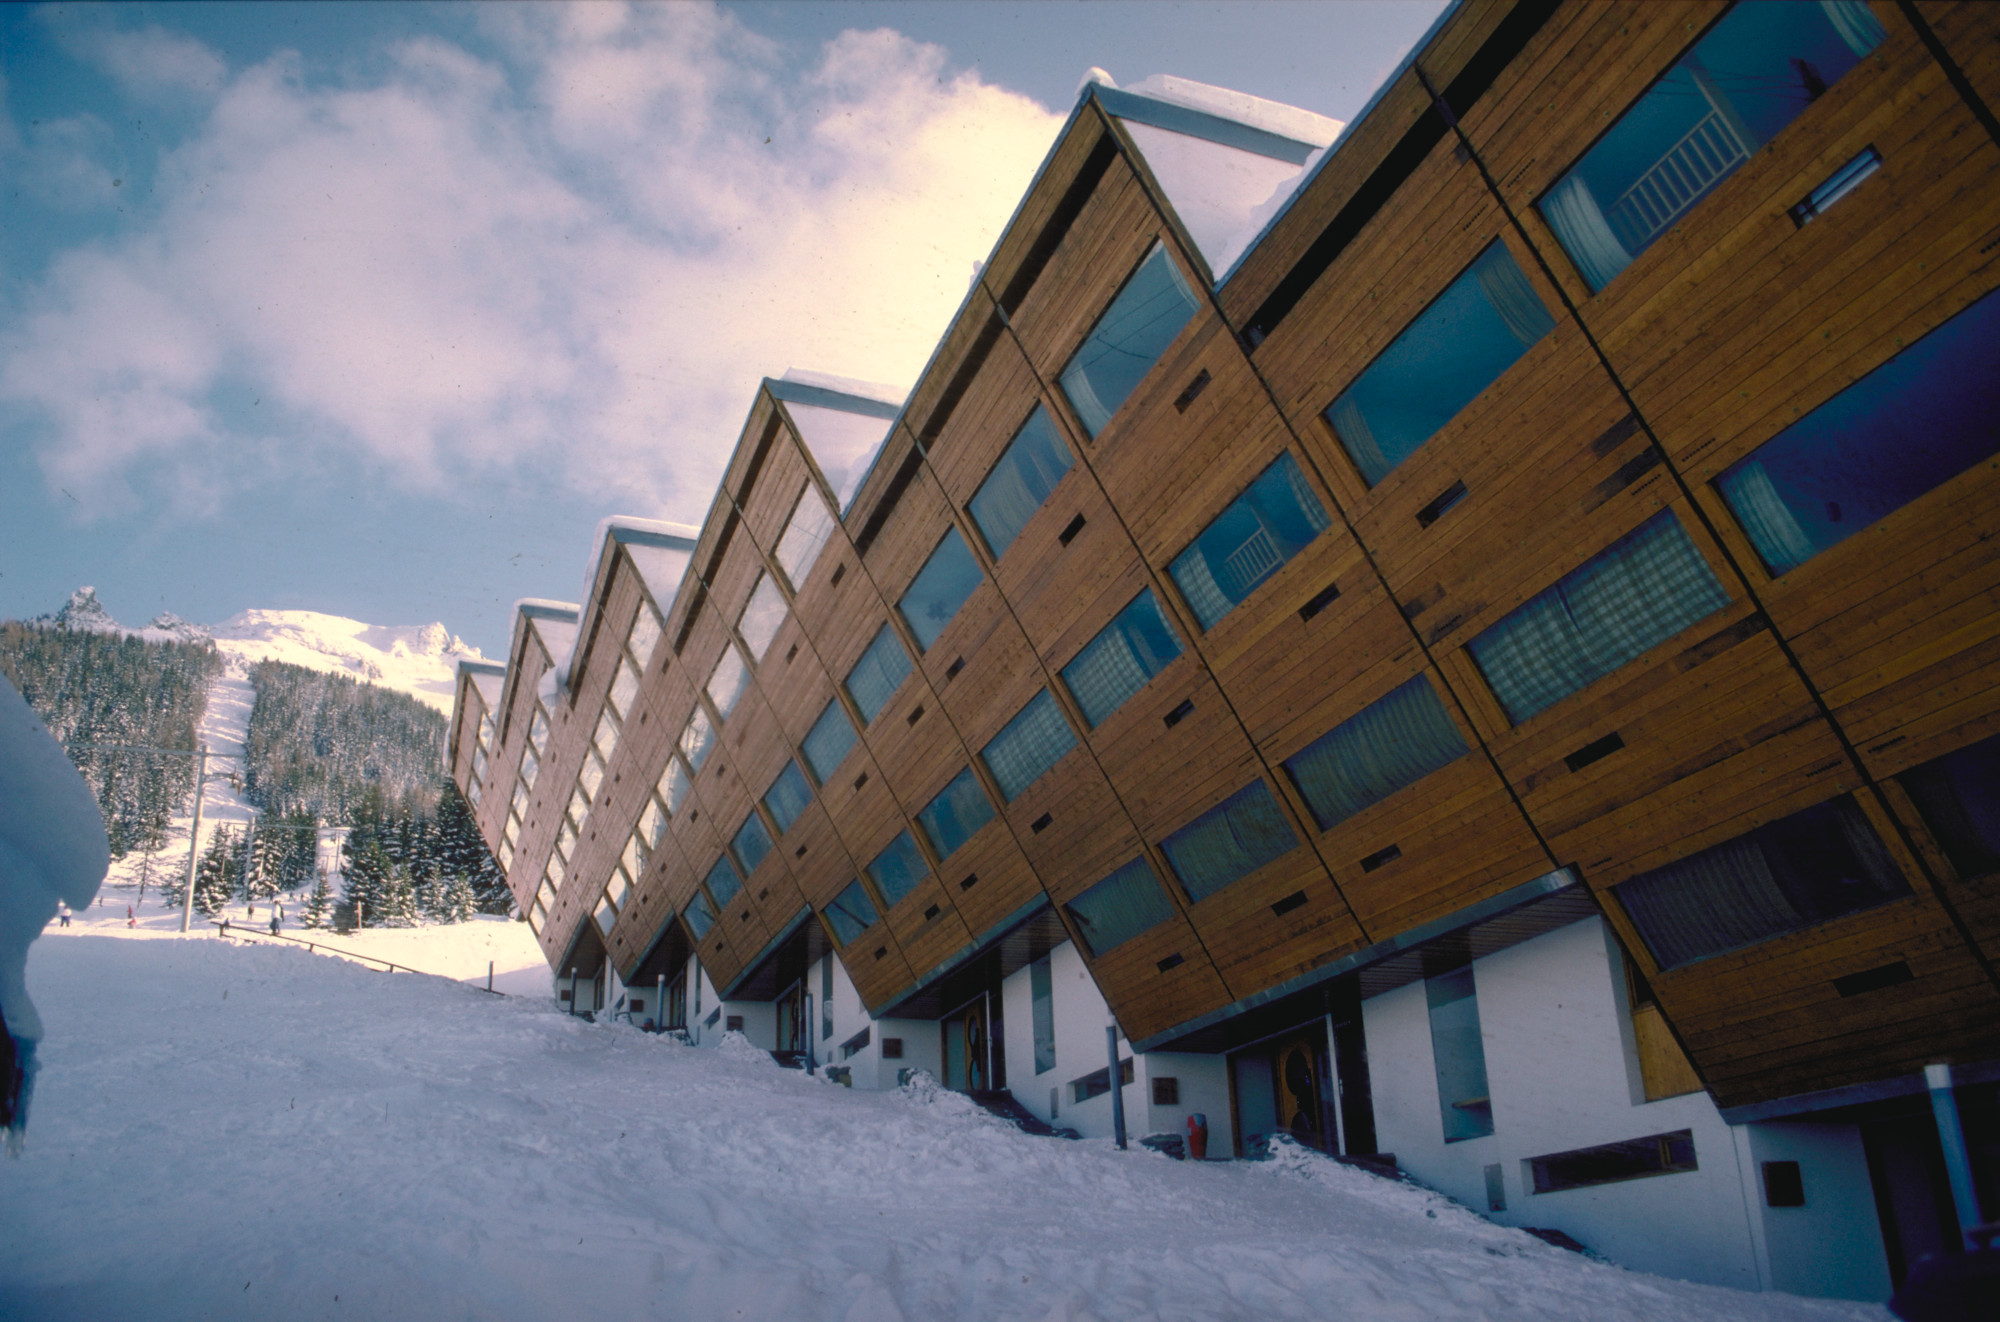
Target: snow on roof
(844, 423)
(1227, 160)
(661, 550)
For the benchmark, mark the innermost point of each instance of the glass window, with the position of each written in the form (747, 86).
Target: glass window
(1906, 428)
(588, 780)
(605, 916)
(645, 635)
(898, 869)
(1124, 904)
(1638, 592)
(1459, 1050)
(1229, 841)
(618, 889)
(751, 844)
(805, 533)
(727, 682)
(956, 814)
(851, 914)
(762, 616)
(1458, 346)
(675, 780)
(700, 915)
(1035, 740)
(1390, 744)
(1128, 339)
(722, 882)
(1248, 542)
(941, 587)
(1034, 462)
(830, 740)
(605, 737)
(652, 824)
(624, 687)
(1041, 987)
(1754, 72)
(538, 730)
(697, 738)
(1959, 797)
(1784, 876)
(1113, 666)
(878, 674)
(787, 797)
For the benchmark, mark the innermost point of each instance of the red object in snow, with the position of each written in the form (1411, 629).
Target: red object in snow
(1197, 1137)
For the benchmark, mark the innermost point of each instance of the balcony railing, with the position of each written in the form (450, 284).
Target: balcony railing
(1672, 184)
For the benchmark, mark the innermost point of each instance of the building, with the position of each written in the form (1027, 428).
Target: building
(1475, 642)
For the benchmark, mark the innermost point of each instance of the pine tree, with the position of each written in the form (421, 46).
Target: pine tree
(264, 873)
(216, 875)
(459, 902)
(366, 878)
(399, 898)
(319, 905)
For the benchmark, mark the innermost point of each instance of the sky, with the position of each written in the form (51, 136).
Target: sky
(376, 309)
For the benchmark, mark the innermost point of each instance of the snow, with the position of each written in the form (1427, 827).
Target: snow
(843, 444)
(848, 385)
(1222, 194)
(230, 1130)
(1292, 122)
(420, 660)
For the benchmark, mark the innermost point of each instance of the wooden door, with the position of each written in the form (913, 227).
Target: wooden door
(1298, 1076)
(965, 1048)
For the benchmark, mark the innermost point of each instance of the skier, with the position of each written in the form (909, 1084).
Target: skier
(62, 913)
(274, 922)
(52, 847)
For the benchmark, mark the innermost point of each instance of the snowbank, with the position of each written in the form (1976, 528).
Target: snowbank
(232, 1131)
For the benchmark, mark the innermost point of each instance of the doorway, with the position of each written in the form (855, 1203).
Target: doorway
(967, 1045)
(792, 1028)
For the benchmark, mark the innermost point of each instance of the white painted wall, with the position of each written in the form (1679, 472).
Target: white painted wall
(1832, 1245)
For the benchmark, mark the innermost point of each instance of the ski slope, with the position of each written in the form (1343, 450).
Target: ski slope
(229, 1130)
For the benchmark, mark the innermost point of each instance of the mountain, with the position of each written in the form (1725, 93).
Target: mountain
(420, 660)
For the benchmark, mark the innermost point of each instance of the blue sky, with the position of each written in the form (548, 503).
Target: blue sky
(376, 309)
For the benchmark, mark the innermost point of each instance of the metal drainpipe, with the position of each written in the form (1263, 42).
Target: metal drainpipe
(1957, 1161)
(1117, 1086)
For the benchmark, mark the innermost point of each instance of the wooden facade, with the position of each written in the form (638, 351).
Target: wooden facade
(1834, 679)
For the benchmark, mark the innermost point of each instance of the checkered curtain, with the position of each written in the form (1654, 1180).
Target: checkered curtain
(1033, 742)
(1231, 840)
(1390, 744)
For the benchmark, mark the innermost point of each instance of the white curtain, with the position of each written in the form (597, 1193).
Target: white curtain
(1766, 518)
(1352, 427)
(1519, 306)
(1572, 212)
(1856, 23)
(1204, 597)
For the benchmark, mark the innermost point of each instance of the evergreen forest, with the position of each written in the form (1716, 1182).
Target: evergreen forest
(98, 689)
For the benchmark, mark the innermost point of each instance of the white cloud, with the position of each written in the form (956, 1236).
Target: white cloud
(150, 63)
(578, 264)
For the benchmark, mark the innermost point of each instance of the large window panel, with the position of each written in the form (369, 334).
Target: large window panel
(940, 588)
(787, 797)
(1260, 532)
(1785, 876)
(956, 814)
(878, 674)
(1636, 593)
(762, 616)
(1458, 1049)
(851, 914)
(1459, 345)
(751, 844)
(1152, 308)
(1035, 740)
(1751, 75)
(897, 869)
(829, 742)
(1229, 841)
(722, 882)
(675, 781)
(1905, 429)
(1035, 461)
(1389, 745)
(1120, 907)
(700, 915)
(1133, 648)
(697, 738)
(645, 635)
(1958, 796)
(727, 681)
(806, 531)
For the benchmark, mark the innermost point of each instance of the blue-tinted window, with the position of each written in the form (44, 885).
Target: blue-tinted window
(700, 915)
(877, 675)
(1128, 339)
(1458, 1049)
(1392, 743)
(1124, 904)
(898, 869)
(830, 740)
(722, 882)
(1784, 876)
(1754, 72)
(956, 814)
(1113, 666)
(1028, 746)
(1906, 428)
(752, 842)
(1458, 346)
(1959, 797)
(787, 797)
(1229, 841)
(1248, 542)
(851, 914)
(1034, 462)
(1042, 999)
(941, 587)
(1636, 593)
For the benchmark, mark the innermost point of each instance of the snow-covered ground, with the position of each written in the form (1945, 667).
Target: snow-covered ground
(230, 1130)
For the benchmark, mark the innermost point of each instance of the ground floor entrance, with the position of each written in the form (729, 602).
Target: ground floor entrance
(974, 1051)
(1309, 1082)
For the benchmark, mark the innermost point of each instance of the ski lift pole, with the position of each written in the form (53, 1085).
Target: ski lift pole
(194, 837)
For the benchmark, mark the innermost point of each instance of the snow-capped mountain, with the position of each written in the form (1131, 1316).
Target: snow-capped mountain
(420, 660)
